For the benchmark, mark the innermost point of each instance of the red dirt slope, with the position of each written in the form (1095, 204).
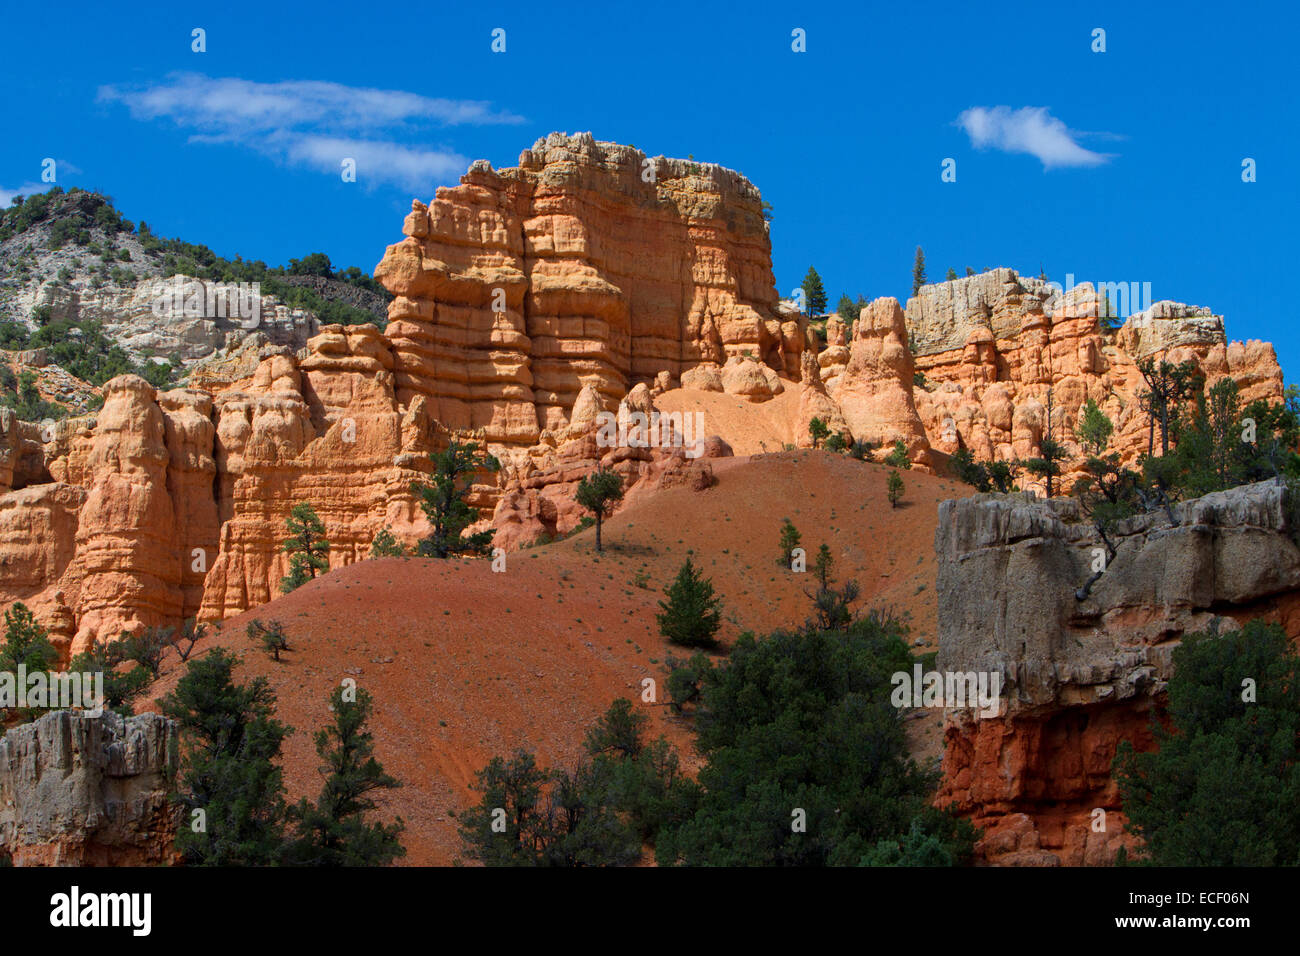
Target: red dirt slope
(465, 663)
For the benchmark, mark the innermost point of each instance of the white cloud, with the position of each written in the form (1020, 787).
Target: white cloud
(1030, 129)
(391, 161)
(314, 124)
(26, 189)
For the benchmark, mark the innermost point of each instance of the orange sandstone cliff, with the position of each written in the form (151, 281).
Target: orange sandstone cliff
(528, 301)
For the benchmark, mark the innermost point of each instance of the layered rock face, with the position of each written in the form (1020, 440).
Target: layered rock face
(77, 790)
(1083, 667)
(590, 278)
(587, 261)
(991, 346)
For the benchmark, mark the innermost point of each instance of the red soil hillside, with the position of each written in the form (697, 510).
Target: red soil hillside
(465, 664)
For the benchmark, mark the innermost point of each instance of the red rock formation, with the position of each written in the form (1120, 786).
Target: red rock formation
(875, 392)
(1083, 673)
(991, 346)
(588, 260)
(528, 300)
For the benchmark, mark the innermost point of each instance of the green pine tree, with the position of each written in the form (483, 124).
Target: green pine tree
(334, 830)
(27, 643)
(895, 490)
(918, 272)
(692, 614)
(1094, 429)
(814, 293)
(817, 431)
(898, 457)
(231, 744)
(385, 545)
(306, 546)
(598, 492)
(790, 538)
(443, 500)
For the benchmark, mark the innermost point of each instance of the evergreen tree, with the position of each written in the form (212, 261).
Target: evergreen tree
(622, 794)
(817, 431)
(1002, 474)
(918, 272)
(122, 688)
(692, 614)
(507, 827)
(598, 493)
(1050, 453)
(1047, 465)
(1168, 386)
(824, 566)
(231, 743)
(334, 831)
(898, 457)
(790, 538)
(814, 293)
(27, 643)
(832, 608)
(848, 309)
(895, 490)
(685, 680)
(1223, 787)
(306, 546)
(966, 469)
(803, 721)
(385, 545)
(443, 500)
(1095, 428)
(952, 274)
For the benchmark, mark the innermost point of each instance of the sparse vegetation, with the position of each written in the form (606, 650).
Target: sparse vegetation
(270, 637)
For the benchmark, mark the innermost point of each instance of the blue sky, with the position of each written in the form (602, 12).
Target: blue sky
(1133, 174)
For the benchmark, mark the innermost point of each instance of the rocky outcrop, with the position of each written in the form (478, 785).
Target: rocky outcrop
(77, 790)
(991, 346)
(875, 392)
(179, 316)
(1082, 666)
(588, 260)
(537, 498)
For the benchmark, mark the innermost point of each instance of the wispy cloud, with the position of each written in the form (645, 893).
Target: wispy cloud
(314, 124)
(26, 189)
(1030, 129)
